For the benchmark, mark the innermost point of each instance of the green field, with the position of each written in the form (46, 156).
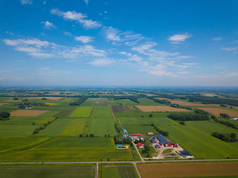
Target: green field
(195, 136)
(78, 133)
(117, 171)
(48, 171)
(83, 111)
(102, 121)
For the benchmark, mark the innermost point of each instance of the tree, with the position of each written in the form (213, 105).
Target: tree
(150, 115)
(4, 115)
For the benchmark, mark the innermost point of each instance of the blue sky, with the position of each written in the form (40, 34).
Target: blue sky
(118, 43)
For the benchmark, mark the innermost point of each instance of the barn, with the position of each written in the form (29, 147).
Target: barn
(165, 142)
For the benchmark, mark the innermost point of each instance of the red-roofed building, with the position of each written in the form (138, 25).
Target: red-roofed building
(133, 135)
(140, 145)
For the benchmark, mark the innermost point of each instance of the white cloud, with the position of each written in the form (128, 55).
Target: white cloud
(117, 37)
(102, 62)
(135, 58)
(178, 38)
(48, 25)
(217, 38)
(112, 34)
(231, 49)
(77, 16)
(34, 42)
(83, 39)
(26, 2)
(45, 49)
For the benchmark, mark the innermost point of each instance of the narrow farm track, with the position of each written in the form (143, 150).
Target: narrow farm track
(116, 162)
(137, 170)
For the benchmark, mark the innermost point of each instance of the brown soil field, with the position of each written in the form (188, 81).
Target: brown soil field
(160, 109)
(150, 95)
(27, 112)
(162, 98)
(218, 111)
(209, 94)
(188, 169)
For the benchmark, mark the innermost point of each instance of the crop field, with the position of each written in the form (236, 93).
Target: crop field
(86, 132)
(160, 109)
(101, 121)
(66, 149)
(188, 169)
(48, 171)
(218, 111)
(198, 142)
(118, 171)
(74, 128)
(194, 136)
(27, 112)
(82, 111)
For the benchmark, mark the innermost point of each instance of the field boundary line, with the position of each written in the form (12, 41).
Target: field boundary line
(116, 162)
(96, 173)
(137, 170)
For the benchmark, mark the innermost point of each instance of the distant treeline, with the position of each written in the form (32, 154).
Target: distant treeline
(132, 98)
(4, 115)
(225, 137)
(212, 100)
(189, 116)
(198, 98)
(162, 132)
(79, 101)
(227, 123)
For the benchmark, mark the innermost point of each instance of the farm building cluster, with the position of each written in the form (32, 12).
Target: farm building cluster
(162, 146)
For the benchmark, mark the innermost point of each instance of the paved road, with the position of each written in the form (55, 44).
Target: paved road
(137, 171)
(118, 162)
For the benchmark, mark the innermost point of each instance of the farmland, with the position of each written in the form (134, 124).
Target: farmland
(68, 130)
(218, 111)
(118, 171)
(160, 109)
(83, 111)
(27, 113)
(49, 171)
(189, 170)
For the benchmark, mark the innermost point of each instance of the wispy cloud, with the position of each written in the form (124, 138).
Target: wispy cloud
(118, 37)
(26, 2)
(48, 25)
(217, 38)
(231, 49)
(112, 34)
(83, 39)
(101, 62)
(45, 49)
(77, 16)
(178, 38)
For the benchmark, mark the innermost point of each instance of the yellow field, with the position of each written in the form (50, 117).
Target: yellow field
(27, 112)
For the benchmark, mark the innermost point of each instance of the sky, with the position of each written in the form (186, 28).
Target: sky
(118, 43)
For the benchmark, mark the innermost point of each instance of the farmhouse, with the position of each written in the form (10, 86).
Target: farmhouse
(140, 145)
(164, 142)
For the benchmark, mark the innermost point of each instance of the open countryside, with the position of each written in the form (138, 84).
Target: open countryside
(108, 128)
(118, 89)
